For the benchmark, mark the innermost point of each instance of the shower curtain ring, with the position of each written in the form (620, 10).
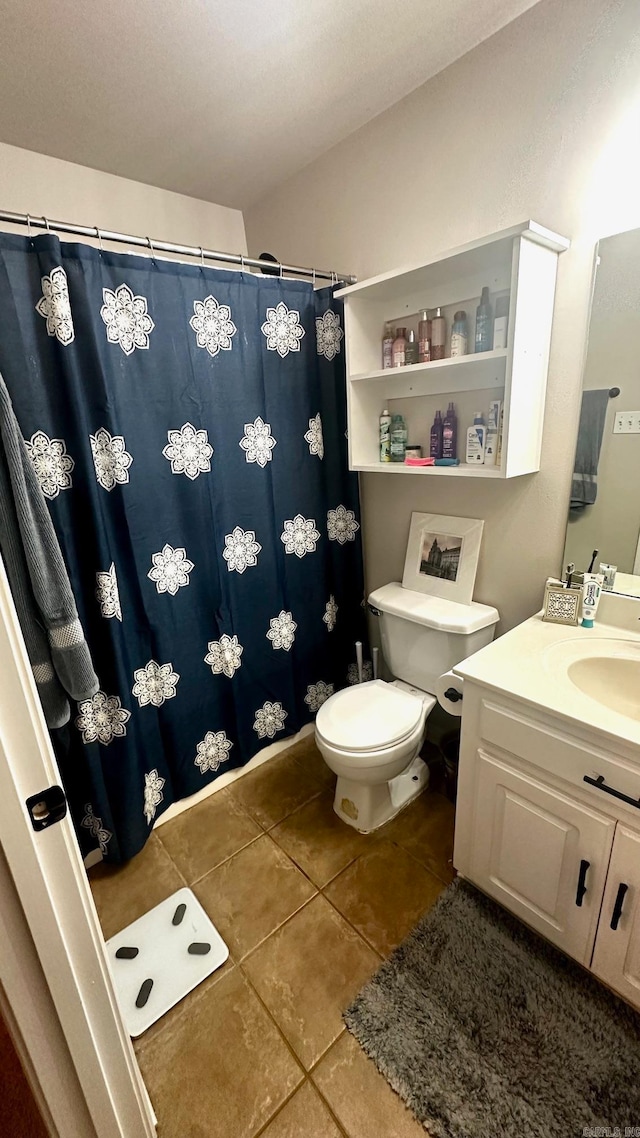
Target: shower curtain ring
(313, 278)
(46, 221)
(150, 244)
(202, 256)
(241, 263)
(281, 271)
(29, 224)
(99, 236)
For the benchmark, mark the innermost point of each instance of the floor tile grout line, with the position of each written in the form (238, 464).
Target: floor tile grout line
(277, 928)
(272, 1019)
(280, 927)
(280, 1109)
(357, 931)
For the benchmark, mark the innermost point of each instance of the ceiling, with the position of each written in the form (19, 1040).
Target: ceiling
(219, 99)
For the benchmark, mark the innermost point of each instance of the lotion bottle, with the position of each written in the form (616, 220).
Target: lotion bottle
(459, 334)
(400, 347)
(476, 440)
(387, 346)
(424, 338)
(438, 336)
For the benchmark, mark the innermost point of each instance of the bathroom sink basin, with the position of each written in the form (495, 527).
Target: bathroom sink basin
(611, 680)
(607, 671)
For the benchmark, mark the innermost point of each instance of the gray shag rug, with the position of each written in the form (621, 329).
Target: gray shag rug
(486, 1031)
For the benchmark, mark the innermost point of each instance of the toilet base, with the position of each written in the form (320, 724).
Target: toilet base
(367, 807)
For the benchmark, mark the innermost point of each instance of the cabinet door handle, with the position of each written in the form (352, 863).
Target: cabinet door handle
(582, 882)
(617, 908)
(600, 784)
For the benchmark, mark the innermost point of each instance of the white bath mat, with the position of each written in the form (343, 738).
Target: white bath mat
(161, 957)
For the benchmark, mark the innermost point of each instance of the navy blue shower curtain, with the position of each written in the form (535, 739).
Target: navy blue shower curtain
(188, 428)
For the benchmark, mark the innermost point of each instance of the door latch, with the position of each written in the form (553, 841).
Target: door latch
(47, 808)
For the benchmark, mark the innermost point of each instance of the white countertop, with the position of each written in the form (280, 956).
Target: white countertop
(530, 664)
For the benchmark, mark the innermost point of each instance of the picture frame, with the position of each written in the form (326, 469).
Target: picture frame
(442, 556)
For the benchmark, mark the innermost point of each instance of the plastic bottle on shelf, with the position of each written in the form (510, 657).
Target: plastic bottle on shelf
(476, 436)
(484, 323)
(438, 336)
(459, 334)
(385, 436)
(500, 322)
(411, 350)
(400, 347)
(424, 338)
(399, 436)
(450, 433)
(435, 438)
(387, 346)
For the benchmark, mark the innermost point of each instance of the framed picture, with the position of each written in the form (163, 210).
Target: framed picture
(442, 556)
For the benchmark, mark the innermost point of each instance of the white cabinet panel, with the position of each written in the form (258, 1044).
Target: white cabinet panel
(540, 854)
(616, 958)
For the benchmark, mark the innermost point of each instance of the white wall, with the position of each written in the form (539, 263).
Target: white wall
(540, 121)
(36, 184)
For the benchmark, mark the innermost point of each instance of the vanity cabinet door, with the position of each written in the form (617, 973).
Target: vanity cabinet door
(616, 958)
(542, 855)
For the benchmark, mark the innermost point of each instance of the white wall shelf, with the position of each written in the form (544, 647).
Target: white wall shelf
(520, 263)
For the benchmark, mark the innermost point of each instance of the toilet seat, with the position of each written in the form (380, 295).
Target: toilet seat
(369, 717)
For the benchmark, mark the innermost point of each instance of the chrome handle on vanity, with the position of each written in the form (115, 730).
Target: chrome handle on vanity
(600, 784)
(582, 882)
(617, 908)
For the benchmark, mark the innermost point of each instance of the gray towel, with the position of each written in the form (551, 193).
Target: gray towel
(584, 487)
(40, 586)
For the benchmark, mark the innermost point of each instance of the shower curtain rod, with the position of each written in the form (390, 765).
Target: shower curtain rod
(169, 247)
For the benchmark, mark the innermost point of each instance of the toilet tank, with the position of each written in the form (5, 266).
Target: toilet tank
(423, 636)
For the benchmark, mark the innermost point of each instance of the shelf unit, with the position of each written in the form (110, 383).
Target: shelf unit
(520, 263)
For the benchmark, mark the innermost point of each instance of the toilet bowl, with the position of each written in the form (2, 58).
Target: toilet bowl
(370, 735)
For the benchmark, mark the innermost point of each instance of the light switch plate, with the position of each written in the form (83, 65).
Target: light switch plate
(626, 423)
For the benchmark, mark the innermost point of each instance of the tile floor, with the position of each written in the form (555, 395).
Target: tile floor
(309, 908)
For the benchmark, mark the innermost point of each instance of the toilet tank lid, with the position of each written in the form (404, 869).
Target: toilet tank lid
(434, 612)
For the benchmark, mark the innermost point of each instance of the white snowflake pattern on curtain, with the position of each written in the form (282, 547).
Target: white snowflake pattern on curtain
(342, 525)
(317, 694)
(170, 569)
(212, 325)
(107, 593)
(282, 330)
(153, 795)
(189, 451)
(328, 334)
(282, 631)
(269, 719)
(367, 673)
(258, 442)
(224, 655)
(212, 751)
(126, 318)
(96, 829)
(102, 719)
(314, 437)
(299, 535)
(110, 458)
(154, 683)
(51, 463)
(240, 550)
(55, 306)
(330, 613)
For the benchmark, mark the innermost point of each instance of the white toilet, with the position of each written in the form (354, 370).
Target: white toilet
(370, 735)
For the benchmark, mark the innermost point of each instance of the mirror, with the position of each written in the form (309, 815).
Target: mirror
(604, 512)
